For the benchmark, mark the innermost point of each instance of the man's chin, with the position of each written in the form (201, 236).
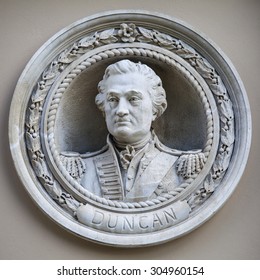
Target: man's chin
(123, 134)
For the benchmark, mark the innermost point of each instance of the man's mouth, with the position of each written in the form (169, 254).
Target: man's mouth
(122, 121)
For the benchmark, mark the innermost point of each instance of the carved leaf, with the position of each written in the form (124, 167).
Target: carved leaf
(33, 144)
(218, 90)
(110, 40)
(49, 74)
(106, 34)
(186, 51)
(227, 137)
(147, 34)
(202, 63)
(204, 68)
(164, 40)
(33, 118)
(226, 109)
(226, 161)
(143, 39)
(186, 54)
(194, 201)
(53, 189)
(88, 42)
(40, 95)
(222, 88)
(66, 57)
(209, 184)
(39, 168)
(222, 162)
(71, 203)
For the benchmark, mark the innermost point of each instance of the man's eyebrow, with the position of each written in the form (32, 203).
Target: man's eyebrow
(112, 93)
(133, 91)
(129, 92)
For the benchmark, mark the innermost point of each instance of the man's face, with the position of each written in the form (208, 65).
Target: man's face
(128, 107)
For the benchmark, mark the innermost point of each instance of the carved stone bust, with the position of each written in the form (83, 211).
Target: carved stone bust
(142, 175)
(134, 165)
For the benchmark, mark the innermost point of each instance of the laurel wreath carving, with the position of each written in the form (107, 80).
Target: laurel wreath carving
(128, 33)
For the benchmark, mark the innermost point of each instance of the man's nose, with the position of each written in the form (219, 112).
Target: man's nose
(122, 108)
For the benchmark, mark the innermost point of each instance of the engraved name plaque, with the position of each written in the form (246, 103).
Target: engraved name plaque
(129, 128)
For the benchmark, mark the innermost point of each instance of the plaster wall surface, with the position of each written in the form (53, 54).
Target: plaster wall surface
(26, 233)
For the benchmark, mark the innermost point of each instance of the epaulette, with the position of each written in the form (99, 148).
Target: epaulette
(74, 162)
(188, 164)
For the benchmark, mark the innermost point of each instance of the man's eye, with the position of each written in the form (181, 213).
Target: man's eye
(112, 99)
(134, 98)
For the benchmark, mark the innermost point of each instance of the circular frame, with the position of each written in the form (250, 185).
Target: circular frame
(153, 32)
(86, 61)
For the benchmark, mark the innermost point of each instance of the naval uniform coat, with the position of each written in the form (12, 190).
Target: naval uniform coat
(151, 171)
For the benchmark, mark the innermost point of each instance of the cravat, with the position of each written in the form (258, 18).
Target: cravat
(126, 156)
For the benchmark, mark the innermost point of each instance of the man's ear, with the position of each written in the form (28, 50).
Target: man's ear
(154, 116)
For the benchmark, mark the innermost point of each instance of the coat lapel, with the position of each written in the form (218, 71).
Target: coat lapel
(109, 175)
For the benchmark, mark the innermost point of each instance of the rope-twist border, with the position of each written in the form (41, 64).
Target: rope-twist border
(116, 52)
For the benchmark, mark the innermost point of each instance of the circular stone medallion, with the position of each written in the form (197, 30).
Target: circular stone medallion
(135, 174)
